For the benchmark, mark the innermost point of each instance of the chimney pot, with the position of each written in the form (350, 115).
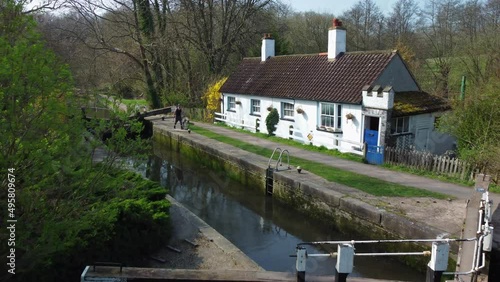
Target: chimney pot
(337, 22)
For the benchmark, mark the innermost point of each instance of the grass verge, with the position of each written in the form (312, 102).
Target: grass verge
(494, 188)
(364, 183)
(132, 103)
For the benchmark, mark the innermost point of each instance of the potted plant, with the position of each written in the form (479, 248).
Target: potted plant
(349, 116)
(238, 102)
(300, 111)
(270, 108)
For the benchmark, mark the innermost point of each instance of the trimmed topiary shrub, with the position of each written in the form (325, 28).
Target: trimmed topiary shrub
(272, 120)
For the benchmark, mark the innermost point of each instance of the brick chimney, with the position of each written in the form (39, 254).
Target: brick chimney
(336, 39)
(267, 47)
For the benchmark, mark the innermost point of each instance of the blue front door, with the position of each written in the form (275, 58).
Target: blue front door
(374, 153)
(371, 137)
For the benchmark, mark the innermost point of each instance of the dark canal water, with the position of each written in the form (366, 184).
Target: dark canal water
(265, 230)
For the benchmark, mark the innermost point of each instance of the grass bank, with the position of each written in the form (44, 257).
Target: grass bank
(364, 183)
(494, 188)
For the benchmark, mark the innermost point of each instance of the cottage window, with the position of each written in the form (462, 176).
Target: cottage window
(255, 107)
(231, 103)
(287, 110)
(400, 125)
(331, 115)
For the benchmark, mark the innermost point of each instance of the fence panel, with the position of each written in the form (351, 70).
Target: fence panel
(439, 164)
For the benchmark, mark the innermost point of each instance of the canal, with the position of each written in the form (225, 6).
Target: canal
(264, 229)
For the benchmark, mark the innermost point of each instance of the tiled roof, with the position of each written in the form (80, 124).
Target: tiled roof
(309, 77)
(413, 103)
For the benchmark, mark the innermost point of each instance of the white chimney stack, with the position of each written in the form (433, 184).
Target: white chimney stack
(267, 47)
(336, 39)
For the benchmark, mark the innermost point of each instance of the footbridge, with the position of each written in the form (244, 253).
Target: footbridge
(91, 114)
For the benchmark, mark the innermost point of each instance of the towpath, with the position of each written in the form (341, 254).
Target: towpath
(455, 190)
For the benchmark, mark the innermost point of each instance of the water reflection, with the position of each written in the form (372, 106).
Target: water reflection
(261, 227)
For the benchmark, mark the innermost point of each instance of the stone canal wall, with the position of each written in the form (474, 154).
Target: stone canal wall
(330, 203)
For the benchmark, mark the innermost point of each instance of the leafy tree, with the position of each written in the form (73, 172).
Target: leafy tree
(35, 116)
(476, 124)
(272, 120)
(212, 97)
(70, 210)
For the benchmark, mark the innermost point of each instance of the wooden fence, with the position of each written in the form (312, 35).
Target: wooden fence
(439, 164)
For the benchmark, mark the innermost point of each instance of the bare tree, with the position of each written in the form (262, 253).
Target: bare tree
(402, 21)
(35, 6)
(441, 35)
(118, 27)
(365, 24)
(217, 28)
(308, 32)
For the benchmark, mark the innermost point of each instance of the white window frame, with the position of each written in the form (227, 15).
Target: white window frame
(231, 103)
(405, 128)
(287, 110)
(335, 117)
(255, 109)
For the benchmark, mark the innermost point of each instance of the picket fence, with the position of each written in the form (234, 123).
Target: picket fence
(439, 164)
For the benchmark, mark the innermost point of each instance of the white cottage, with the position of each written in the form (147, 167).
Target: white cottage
(336, 99)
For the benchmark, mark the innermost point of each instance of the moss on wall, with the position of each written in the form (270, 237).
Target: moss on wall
(290, 193)
(234, 167)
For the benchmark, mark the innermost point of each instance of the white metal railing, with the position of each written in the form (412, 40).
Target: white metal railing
(357, 147)
(234, 122)
(439, 252)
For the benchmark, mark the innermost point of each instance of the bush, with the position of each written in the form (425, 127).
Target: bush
(124, 218)
(212, 98)
(271, 121)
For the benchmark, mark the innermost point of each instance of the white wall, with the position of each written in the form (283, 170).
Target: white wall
(303, 124)
(385, 102)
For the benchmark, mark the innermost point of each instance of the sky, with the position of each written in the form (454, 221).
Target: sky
(337, 7)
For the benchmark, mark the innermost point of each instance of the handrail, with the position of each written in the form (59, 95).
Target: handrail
(272, 155)
(279, 161)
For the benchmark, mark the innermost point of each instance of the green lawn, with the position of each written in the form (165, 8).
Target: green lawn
(131, 103)
(296, 144)
(367, 184)
(353, 157)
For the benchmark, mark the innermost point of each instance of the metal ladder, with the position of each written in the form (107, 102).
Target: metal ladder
(270, 171)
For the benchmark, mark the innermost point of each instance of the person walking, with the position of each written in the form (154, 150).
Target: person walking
(178, 116)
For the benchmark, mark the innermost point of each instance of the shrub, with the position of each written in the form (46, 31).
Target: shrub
(271, 121)
(212, 97)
